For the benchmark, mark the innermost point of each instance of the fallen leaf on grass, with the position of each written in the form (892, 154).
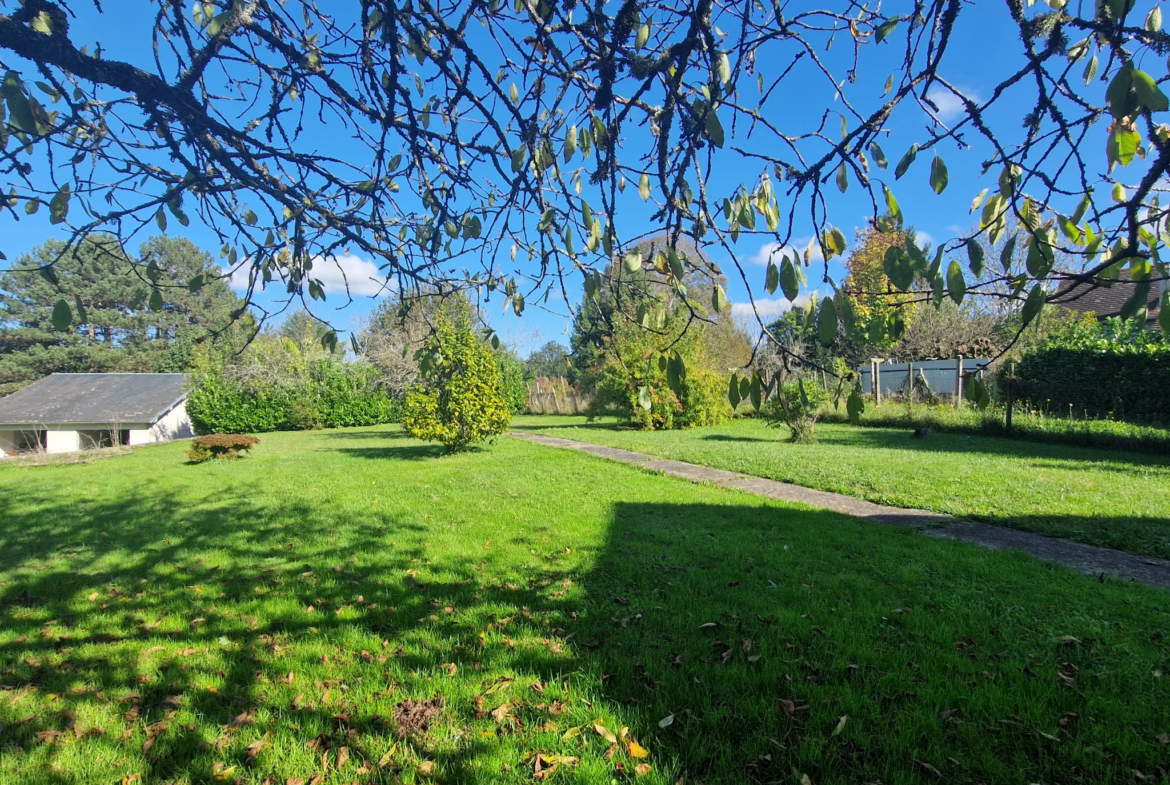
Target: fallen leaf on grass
(840, 725)
(295, 781)
(666, 721)
(928, 767)
(253, 749)
(642, 769)
(426, 768)
(788, 706)
(605, 733)
(636, 750)
(247, 718)
(342, 757)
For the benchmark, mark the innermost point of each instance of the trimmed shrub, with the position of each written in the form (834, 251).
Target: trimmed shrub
(459, 401)
(331, 394)
(1115, 370)
(220, 446)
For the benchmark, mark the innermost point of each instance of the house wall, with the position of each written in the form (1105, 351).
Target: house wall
(7, 443)
(175, 424)
(62, 441)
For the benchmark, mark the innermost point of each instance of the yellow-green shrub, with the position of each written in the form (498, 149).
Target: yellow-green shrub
(458, 401)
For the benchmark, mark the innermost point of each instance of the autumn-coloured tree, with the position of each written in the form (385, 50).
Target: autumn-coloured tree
(880, 311)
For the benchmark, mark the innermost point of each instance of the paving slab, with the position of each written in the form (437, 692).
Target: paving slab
(1088, 559)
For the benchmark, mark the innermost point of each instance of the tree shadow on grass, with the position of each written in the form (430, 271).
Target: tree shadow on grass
(738, 640)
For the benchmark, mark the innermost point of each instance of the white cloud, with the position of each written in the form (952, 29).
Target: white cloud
(775, 252)
(334, 272)
(923, 239)
(950, 106)
(768, 308)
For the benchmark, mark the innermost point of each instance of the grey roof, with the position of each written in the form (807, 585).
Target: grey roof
(97, 398)
(1106, 301)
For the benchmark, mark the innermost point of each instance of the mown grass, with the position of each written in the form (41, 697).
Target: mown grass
(160, 620)
(1101, 497)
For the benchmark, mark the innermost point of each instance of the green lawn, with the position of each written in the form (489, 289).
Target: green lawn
(1101, 497)
(266, 620)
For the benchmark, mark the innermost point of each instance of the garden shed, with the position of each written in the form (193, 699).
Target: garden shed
(67, 412)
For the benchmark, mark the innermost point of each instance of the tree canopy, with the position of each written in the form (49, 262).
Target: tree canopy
(490, 145)
(118, 323)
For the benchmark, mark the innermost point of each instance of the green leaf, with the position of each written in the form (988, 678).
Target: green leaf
(642, 36)
(978, 200)
(519, 158)
(827, 321)
(975, 257)
(1090, 72)
(842, 178)
(1118, 193)
(1148, 92)
(160, 218)
(733, 390)
(62, 316)
(907, 159)
(898, 268)
(938, 175)
(570, 143)
(633, 261)
(31, 207)
(1034, 304)
(48, 273)
(1154, 19)
(879, 157)
(644, 186)
(155, 303)
(20, 113)
(956, 284)
(714, 128)
(196, 283)
(772, 277)
(1005, 256)
(892, 205)
(329, 341)
(59, 205)
(789, 282)
(756, 391)
(1120, 96)
(723, 69)
(82, 315)
(42, 23)
(676, 372)
(885, 28)
(719, 299)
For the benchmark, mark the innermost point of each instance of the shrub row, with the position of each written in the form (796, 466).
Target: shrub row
(1116, 370)
(1028, 426)
(332, 395)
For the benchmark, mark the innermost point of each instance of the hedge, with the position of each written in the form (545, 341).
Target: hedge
(333, 395)
(1114, 370)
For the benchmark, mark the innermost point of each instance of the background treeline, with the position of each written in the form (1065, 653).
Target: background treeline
(118, 325)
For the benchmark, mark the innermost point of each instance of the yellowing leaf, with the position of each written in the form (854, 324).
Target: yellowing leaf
(605, 733)
(642, 769)
(636, 750)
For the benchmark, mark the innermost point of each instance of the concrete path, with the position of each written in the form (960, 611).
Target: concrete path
(1087, 559)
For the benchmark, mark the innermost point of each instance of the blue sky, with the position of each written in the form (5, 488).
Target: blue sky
(985, 48)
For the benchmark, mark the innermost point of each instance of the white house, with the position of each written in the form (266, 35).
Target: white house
(66, 412)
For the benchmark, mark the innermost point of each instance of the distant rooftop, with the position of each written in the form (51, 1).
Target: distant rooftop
(94, 398)
(1106, 301)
